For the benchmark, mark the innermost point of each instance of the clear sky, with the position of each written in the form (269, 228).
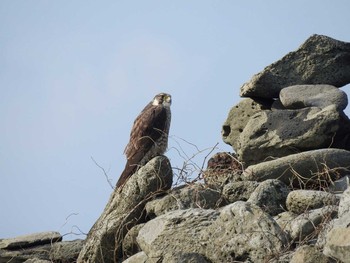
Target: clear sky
(75, 74)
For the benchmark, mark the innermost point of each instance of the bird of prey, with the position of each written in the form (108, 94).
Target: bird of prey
(148, 137)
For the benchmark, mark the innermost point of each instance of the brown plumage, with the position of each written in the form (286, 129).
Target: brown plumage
(148, 137)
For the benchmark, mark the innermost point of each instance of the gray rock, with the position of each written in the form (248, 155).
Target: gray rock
(320, 60)
(140, 257)
(238, 118)
(302, 228)
(343, 220)
(321, 96)
(344, 204)
(308, 254)
(130, 246)
(271, 196)
(307, 167)
(239, 191)
(338, 244)
(174, 231)
(185, 257)
(66, 251)
(271, 134)
(340, 185)
(30, 240)
(217, 236)
(124, 210)
(284, 219)
(190, 196)
(299, 201)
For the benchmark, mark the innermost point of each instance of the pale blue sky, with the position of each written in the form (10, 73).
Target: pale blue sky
(75, 74)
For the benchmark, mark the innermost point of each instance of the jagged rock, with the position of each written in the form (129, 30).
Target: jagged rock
(321, 96)
(303, 226)
(338, 244)
(343, 220)
(271, 134)
(238, 118)
(299, 201)
(319, 60)
(30, 240)
(190, 196)
(239, 191)
(271, 196)
(340, 185)
(306, 169)
(344, 204)
(66, 251)
(218, 236)
(308, 254)
(130, 246)
(124, 210)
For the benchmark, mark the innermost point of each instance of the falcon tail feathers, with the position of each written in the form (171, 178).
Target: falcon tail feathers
(129, 170)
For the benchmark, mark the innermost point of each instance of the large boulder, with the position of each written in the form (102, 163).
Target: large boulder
(271, 196)
(320, 60)
(271, 134)
(300, 201)
(190, 196)
(216, 236)
(307, 169)
(124, 210)
(238, 118)
(321, 96)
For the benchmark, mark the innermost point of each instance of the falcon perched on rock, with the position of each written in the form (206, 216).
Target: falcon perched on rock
(149, 135)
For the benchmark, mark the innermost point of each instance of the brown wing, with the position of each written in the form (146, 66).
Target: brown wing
(147, 128)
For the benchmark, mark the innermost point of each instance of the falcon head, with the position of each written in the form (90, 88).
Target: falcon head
(162, 99)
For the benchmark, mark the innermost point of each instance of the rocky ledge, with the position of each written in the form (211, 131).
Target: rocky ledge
(283, 196)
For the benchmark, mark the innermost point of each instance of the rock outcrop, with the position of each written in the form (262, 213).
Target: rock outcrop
(282, 196)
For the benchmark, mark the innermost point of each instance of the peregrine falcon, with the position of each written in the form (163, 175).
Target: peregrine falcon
(148, 137)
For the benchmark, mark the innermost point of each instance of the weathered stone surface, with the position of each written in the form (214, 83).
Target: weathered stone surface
(344, 204)
(271, 196)
(30, 240)
(271, 134)
(317, 165)
(238, 118)
(321, 96)
(185, 257)
(190, 196)
(239, 191)
(183, 226)
(299, 201)
(338, 244)
(284, 219)
(37, 260)
(222, 168)
(66, 251)
(124, 210)
(130, 246)
(309, 254)
(320, 60)
(218, 236)
(140, 257)
(304, 225)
